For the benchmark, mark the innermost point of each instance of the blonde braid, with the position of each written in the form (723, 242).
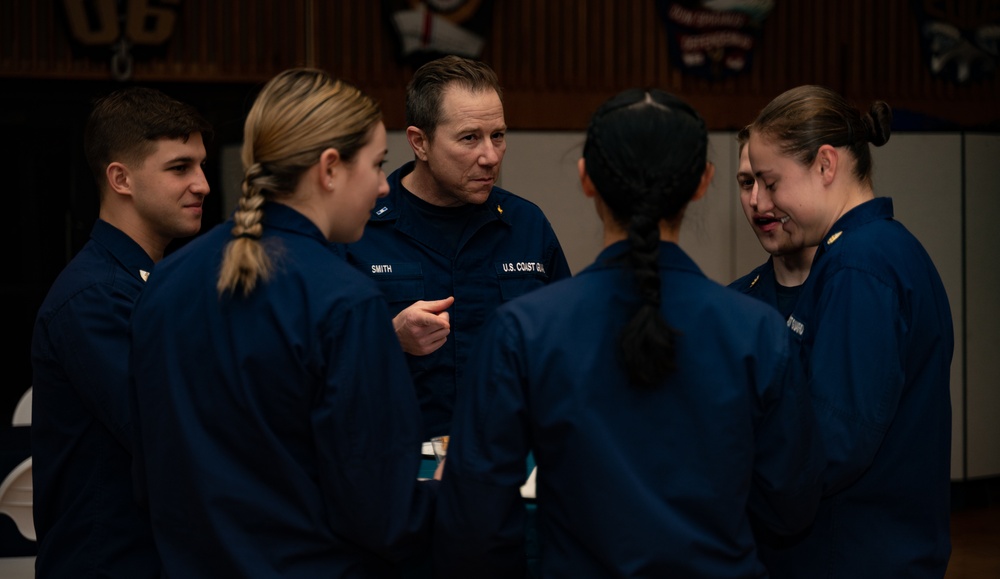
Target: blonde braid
(245, 260)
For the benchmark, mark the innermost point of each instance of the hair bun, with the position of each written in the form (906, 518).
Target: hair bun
(878, 122)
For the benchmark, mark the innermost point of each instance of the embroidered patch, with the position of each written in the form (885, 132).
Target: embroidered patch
(395, 270)
(795, 325)
(519, 267)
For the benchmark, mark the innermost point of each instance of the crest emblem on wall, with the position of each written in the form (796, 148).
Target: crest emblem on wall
(429, 29)
(960, 39)
(713, 38)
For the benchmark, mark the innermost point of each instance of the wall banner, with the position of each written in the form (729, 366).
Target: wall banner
(713, 38)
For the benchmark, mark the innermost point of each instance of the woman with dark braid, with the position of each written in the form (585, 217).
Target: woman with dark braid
(874, 326)
(279, 433)
(663, 409)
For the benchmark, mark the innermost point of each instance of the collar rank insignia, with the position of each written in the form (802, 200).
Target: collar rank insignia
(833, 238)
(144, 275)
(499, 210)
(755, 280)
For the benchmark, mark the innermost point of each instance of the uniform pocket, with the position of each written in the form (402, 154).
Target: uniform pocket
(399, 282)
(517, 278)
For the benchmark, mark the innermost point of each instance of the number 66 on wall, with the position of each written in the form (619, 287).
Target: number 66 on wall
(96, 22)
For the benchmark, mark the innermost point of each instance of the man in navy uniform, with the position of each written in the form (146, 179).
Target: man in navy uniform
(447, 246)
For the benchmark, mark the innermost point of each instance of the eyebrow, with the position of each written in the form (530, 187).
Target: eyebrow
(182, 159)
(477, 126)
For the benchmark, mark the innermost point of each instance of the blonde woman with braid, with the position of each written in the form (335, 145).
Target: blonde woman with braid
(279, 433)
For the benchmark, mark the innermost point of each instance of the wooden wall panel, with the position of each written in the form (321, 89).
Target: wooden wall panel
(557, 59)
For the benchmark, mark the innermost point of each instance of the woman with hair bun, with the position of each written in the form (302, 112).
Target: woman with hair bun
(875, 330)
(661, 407)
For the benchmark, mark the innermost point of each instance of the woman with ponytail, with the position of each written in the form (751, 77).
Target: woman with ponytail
(663, 410)
(279, 433)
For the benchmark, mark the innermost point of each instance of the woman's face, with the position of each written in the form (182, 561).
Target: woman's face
(766, 225)
(362, 182)
(793, 193)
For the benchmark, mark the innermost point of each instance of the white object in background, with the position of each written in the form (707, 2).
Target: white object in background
(22, 413)
(17, 567)
(17, 499)
(435, 34)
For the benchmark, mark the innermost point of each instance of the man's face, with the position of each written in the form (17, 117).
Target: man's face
(767, 227)
(466, 149)
(169, 187)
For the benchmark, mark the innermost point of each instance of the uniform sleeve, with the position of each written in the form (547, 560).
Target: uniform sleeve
(856, 371)
(479, 528)
(367, 435)
(90, 335)
(789, 459)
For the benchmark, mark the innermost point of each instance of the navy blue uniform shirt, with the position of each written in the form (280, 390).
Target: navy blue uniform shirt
(507, 250)
(280, 434)
(630, 483)
(875, 329)
(762, 284)
(86, 518)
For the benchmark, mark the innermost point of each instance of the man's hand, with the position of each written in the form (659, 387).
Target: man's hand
(423, 327)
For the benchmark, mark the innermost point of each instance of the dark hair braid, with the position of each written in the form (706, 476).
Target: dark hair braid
(645, 154)
(647, 341)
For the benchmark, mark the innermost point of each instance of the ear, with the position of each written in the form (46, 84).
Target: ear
(418, 142)
(706, 180)
(119, 178)
(591, 192)
(330, 166)
(588, 186)
(827, 162)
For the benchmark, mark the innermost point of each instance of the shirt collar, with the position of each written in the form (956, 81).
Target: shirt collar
(123, 248)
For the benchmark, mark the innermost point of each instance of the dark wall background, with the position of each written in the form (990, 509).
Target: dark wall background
(557, 60)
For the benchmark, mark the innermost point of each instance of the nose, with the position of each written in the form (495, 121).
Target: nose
(761, 200)
(383, 185)
(491, 154)
(200, 185)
